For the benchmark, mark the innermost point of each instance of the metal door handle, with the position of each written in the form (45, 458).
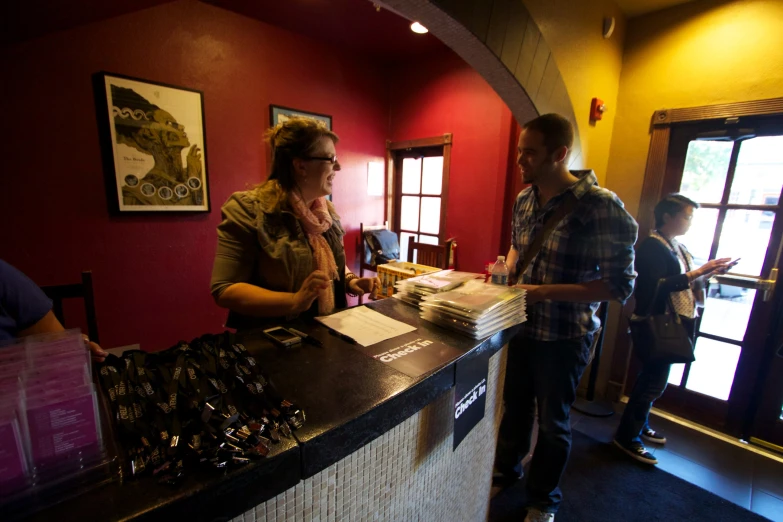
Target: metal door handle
(755, 283)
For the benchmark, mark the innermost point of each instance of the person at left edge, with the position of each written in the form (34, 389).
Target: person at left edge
(25, 310)
(280, 245)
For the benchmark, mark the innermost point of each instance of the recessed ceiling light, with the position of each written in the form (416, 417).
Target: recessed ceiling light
(416, 27)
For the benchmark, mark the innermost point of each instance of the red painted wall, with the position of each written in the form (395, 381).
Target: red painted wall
(441, 95)
(151, 273)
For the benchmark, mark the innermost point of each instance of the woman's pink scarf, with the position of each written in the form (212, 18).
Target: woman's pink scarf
(316, 220)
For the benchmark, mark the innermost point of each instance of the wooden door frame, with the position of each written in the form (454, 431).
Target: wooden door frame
(653, 189)
(392, 209)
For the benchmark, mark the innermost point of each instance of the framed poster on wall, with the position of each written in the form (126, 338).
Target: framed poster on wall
(153, 141)
(278, 114)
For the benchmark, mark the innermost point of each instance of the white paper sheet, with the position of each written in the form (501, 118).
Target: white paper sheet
(364, 325)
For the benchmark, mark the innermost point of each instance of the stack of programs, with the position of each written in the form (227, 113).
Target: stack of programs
(413, 290)
(56, 411)
(13, 464)
(476, 309)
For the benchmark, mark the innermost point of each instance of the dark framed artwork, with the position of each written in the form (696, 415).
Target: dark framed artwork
(153, 142)
(278, 114)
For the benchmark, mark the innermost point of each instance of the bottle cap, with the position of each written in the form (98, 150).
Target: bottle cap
(501, 258)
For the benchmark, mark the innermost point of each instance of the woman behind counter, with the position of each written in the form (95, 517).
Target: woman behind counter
(280, 246)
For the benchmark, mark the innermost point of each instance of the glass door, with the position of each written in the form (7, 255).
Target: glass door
(737, 177)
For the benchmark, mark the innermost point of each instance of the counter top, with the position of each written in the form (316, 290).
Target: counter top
(349, 399)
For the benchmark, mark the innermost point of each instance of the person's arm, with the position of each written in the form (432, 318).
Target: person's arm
(511, 262)
(358, 286)
(29, 307)
(49, 324)
(614, 234)
(512, 258)
(592, 292)
(248, 299)
(235, 260)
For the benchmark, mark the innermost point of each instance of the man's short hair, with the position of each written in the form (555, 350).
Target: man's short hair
(557, 131)
(672, 204)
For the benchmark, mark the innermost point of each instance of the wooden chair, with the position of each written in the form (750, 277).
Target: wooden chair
(83, 290)
(430, 255)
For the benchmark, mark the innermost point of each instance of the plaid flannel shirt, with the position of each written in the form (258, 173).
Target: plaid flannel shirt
(595, 241)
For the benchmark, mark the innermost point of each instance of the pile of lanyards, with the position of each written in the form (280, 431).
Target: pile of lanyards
(200, 403)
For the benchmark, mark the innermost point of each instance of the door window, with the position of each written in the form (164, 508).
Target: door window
(738, 207)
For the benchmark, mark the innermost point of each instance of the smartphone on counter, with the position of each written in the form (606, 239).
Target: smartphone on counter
(281, 336)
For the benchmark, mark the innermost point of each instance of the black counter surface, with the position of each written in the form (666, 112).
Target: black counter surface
(349, 399)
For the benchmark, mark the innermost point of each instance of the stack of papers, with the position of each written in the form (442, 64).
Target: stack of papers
(476, 309)
(414, 289)
(48, 410)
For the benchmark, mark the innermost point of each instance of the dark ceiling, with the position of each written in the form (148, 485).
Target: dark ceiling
(346, 23)
(26, 19)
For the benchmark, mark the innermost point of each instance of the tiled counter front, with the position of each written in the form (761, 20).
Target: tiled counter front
(409, 473)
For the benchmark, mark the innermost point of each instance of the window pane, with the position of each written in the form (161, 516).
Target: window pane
(430, 240)
(405, 239)
(430, 215)
(706, 167)
(745, 234)
(727, 311)
(675, 374)
(699, 238)
(409, 213)
(433, 176)
(712, 373)
(411, 175)
(757, 178)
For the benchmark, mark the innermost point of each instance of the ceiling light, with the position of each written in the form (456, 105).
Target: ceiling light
(416, 27)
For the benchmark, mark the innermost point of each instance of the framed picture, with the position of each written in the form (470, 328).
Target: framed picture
(153, 141)
(278, 114)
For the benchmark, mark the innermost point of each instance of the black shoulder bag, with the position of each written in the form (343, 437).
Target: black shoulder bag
(661, 338)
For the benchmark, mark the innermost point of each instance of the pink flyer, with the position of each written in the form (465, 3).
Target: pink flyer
(60, 430)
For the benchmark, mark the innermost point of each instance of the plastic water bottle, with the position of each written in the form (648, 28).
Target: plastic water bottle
(500, 272)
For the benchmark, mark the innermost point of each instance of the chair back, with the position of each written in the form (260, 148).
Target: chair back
(83, 290)
(430, 255)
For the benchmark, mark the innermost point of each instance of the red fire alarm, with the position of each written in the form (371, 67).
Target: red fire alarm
(597, 109)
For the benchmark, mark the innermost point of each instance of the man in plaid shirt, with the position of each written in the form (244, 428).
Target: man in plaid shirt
(587, 258)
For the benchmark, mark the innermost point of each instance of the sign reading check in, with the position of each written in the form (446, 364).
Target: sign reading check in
(470, 394)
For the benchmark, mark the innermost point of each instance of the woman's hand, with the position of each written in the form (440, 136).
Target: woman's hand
(364, 285)
(315, 282)
(710, 267)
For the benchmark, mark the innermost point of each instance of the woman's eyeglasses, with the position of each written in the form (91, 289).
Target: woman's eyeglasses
(332, 159)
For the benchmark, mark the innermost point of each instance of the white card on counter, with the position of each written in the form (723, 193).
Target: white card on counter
(364, 325)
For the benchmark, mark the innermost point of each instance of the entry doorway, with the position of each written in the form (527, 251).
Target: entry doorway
(734, 169)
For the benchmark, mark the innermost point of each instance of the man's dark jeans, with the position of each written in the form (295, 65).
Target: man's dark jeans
(546, 374)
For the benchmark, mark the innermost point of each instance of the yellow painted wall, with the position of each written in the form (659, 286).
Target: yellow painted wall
(590, 65)
(700, 53)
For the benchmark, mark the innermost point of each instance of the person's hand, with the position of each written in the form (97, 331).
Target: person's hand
(713, 266)
(533, 293)
(315, 282)
(194, 166)
(96, 352)
(364, 285)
